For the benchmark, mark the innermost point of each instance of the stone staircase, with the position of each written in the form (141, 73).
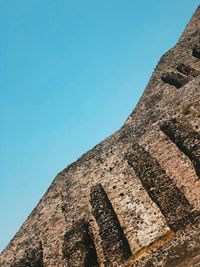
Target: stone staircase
(133, 200)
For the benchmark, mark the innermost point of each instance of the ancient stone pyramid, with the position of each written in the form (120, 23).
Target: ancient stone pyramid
(134, 199)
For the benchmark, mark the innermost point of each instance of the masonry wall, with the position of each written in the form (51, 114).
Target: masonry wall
(106, 190)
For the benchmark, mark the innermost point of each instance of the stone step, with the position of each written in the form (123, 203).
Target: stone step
(79, 249)
(161, 188)
(114, 242)
(33, 258)
(187, 70)
(174, 78)
(186, 139)
(176, 164)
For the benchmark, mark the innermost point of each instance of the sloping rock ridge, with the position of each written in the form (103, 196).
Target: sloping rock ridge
(134, 199)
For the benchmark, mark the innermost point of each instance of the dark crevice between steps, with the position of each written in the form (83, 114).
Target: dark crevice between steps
(187, 70)
(79, 248)
(161, 188)
(186, 139)
(175, 79)
(114, 243)
(196, 52)
(33, 258)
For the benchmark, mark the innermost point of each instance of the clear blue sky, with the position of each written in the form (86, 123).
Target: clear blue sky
(70, 74)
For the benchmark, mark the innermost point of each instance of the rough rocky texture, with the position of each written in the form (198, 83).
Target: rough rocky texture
(33, 258)
(176, 79)
(196, 52)
(186, 139)
(162, 189)
(114, 243)
(187, 70)
(149, 170)
(78, 248)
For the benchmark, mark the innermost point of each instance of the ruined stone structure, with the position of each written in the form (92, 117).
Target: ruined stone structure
(134, 199)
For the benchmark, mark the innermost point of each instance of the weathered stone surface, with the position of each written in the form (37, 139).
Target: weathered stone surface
(180, 251)
(79, 249)
(186, 139)
(161, 188)
(32, 258)
(196, 52)
(187, 70)
(114, 242)
(144, 214)
(175, 79)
